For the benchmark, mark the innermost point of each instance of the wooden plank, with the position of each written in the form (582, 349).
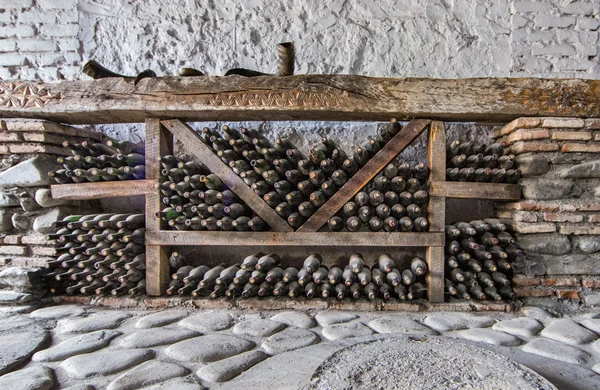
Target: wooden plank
(317, 239)
(159, 142)
(473, 190)
(190, 138)
(41, 126)
(108, 189)
(365, 174)
(158, 274)
(436, 210)
(434, 256)
(301, 97)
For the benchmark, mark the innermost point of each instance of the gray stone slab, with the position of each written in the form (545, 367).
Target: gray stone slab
(592, 324)
(23, 309)
(17, 346)
(596, 368)
(447, 322)
(538, 313)
(325, 318)
(295, 318)
(346, 330)
(147, 374)
(58, 312)
(15, 297)
(176, 384)
(44, 222)
(152, 337)
(485, 335)
(521, 326)
(568, 332)
(18, 322)
(227, 369)
(288, 340)
(104, 362)
(20, 277)
(258, 327)
(596, 345)
(208, 348)
(85, 343)
(96, 321)
(80, 387)
(400, 325)
(29, 173)
(35, 378)
(557, 351)
(161, 318)
(208, 322)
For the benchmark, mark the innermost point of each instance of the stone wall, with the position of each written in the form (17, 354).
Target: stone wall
(557, 223)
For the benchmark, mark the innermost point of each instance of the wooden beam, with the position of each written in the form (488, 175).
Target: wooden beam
(318, 239)
(190, 138)
(365, 174)
(159, 142)
(473, 190)
(108, 189)
(436, 210)
(306, 97)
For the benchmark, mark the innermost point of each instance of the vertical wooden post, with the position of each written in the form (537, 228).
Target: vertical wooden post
(436, 210)
(159, 142)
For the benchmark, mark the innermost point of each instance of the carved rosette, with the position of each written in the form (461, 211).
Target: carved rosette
(24, 95)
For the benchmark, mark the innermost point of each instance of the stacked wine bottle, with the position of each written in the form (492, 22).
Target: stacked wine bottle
(292, 184)
(480, 163)
(478, 260)
(196, 199)
(100, 254)
(263, 275)
(395, 200)
(94, 162)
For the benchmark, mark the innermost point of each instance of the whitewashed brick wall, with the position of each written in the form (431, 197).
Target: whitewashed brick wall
(51, 39)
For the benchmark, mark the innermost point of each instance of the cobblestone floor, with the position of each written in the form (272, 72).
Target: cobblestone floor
(80, 347)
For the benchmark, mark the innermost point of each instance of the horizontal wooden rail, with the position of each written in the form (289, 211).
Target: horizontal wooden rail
(107, 189)
(301, 97)
(473, 190)
(319, 239)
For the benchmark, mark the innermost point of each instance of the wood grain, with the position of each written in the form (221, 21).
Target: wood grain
(305, 97)
(192, 140)
(158, 274)
(109, 189)
(365, 174)
(434, 256)
(471, 190)
(319, 239)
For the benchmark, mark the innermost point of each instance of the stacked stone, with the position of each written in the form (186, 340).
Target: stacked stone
(196, 199)
(395, 200)
(480, 163)
(557, 223)
(263, 276)
(101, 254)
(27, 210)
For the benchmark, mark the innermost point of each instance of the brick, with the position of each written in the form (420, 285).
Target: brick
(542, 227)
(580, 148)
(12, 240)
(572, 135)
(24, 148)
(518, 216)
(567, 294)
(537, 292)
(48, 138)
(37, 239)
(579, 8)
(578, 229)
(53, 4)
(568, 208)
(592, 124)
(8, 4)
(11, 59)
(597, 137)
(591, 283)
(9, 137)
(8, 45)
(569, 123)
(530, 205)
(69, 44)
(524, 281)
(4, 149)
(47, 126)
(553, 217)
(59, 30)
(561, 282)
(554, 21)
(36, 45)
(526, 147)
(574, 65)
(584, 23)
(520, 123)
(43, 251)
(589, 207)
(31, 261)
(37, 16)
(595, 218)
(68, 16)
(527, 134)
(531, 6)
(16, 31)
(13, 250)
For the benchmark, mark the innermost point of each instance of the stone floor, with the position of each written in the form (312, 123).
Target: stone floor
(82, 347)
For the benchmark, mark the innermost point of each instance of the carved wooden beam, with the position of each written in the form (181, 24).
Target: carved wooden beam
(310, 97)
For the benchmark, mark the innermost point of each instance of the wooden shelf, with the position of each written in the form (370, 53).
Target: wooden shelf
(107, 189)
(474, 190)
(318, 239)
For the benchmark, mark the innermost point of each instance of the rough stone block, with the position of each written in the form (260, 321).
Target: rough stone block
(532, 165)
(580, 148)
(578, 229)
(529, 228)
(21, 278)
(5, 221)
(29, 173)
(44, 199)
(595, 218)
(566, 123)
(589, 169)
(8, 199)
(592, 300)
(572, 135)
(535, 188)
(554, 217)
(43, 223)
(554, 244)
(533, 147)
(573, 264)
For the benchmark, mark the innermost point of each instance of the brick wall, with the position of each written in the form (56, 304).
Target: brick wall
(49, 39)
(557, 223)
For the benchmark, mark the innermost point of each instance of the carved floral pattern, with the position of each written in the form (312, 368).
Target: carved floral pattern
(24, 95)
